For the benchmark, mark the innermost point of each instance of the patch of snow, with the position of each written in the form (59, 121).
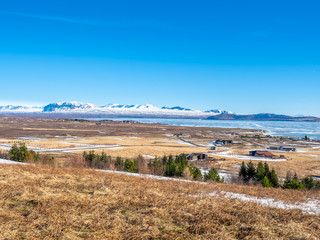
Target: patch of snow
(149, 176)
(5, 161)
(312, 206)
(243, 157)
(5, 146)
(30, 138)
(82, 147)
(184, 143)
(236, 166)
(148, 156)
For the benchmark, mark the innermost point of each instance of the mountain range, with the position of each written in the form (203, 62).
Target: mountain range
(88, 110)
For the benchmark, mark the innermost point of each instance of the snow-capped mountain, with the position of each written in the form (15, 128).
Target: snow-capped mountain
(77, 108)
(17, 109)
(67, 106)
(177, 108)
(218, 111)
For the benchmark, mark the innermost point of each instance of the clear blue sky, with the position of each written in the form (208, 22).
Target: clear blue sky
(244, 56)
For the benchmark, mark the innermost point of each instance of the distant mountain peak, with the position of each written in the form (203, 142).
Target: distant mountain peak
(64, 106)
(218, 111)
(177, 108)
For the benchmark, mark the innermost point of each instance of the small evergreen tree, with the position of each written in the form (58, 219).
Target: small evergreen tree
(170, 167)
(164, 160)
(260, 173)
(243, 172)
(287, 181)
(119, 163)
(156, 166)
(308, 182)
(296, 185)
(213, 175)
(266, 170)
(274, 179)
(251, 171)
(14, 153)
(130, 166)
(266, 183)
(195, 172)
(181, 163)
(22, 154)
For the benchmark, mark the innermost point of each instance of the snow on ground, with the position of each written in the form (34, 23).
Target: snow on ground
(311, 206)
(5, 146)
(302, 151)
(244, 157)
(82, 147)
(148, 176)
(185, 143)
(5, 161)
(30, 138)
(235, 166)
(148, 156)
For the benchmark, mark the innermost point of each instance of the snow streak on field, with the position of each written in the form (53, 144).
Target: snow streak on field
(4, 161)
(243, 157)
(311, 206)
(81, 147)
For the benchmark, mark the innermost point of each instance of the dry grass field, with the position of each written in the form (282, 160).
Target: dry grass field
(42, 202)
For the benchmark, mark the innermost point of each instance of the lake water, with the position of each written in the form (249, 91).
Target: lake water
(275, 128)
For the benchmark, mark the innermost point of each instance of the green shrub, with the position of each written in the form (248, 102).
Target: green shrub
(130, 166)
(266, 183)
(213, 175)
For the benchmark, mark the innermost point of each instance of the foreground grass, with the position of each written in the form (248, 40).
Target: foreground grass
(40, 202)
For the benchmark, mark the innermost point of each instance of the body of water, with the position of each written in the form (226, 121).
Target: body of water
(274, 128)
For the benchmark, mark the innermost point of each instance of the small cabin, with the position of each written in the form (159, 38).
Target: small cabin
(287, 149)
(197, 157)
(264, 154)
(224, 142)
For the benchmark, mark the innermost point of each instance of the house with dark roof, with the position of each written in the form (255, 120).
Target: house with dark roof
(196, 157)
(287, 149)
(224, 142)
(262, 153)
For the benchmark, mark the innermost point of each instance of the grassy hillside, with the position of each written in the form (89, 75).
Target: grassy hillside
(41, 202)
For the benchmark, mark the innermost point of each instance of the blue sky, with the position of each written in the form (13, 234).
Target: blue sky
(243, 56)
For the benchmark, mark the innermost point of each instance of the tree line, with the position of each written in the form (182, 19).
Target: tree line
(22, 154)
(261, 173)
(168, 166)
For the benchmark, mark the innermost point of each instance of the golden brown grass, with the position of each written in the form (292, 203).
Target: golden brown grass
(41, 202)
